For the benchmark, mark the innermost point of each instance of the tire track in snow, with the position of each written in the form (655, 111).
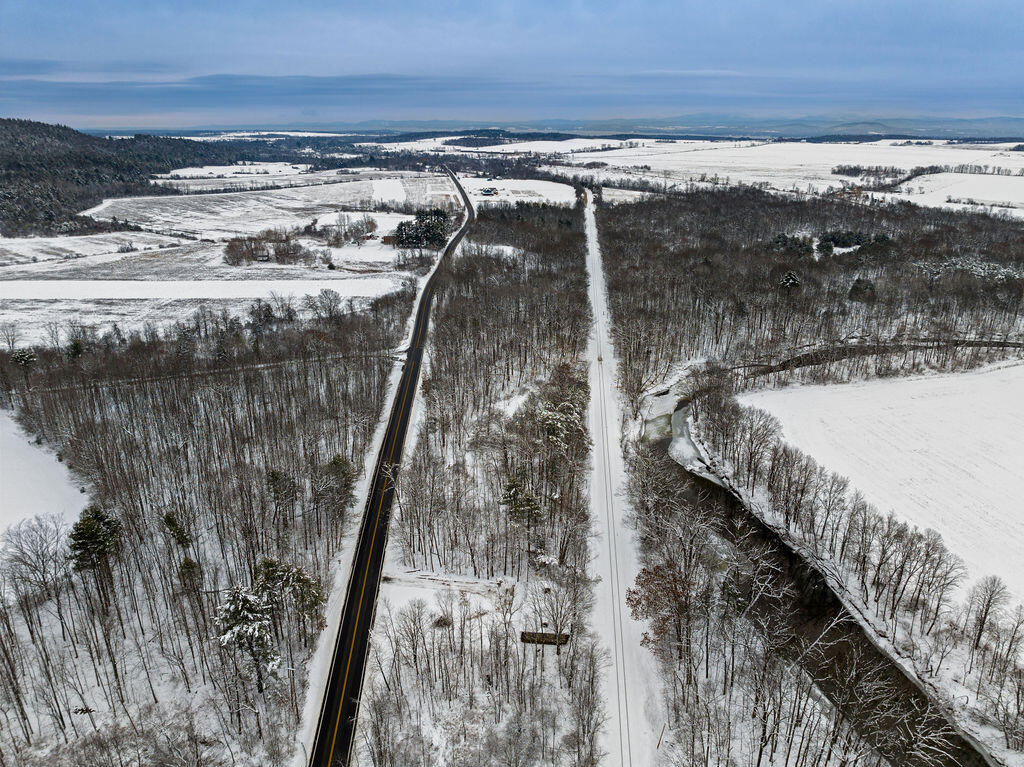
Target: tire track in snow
(629, 735)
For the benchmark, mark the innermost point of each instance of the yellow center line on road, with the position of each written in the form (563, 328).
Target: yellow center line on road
(366, 573)
(417, 341)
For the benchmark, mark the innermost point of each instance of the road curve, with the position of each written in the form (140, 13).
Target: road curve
(335, 731)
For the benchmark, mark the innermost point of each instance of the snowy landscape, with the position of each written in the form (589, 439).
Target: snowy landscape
(512, 385)
(331, 253)
(941, 452)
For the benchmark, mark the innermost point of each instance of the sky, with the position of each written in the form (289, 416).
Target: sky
(195, 63)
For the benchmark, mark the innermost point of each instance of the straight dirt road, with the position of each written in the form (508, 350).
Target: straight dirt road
(631, 682)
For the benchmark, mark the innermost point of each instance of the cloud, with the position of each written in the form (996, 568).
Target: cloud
(70, 70)
(29, 67)
(226, 99)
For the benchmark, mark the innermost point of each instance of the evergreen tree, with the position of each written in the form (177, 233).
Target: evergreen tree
(94, 539)
(244, 618)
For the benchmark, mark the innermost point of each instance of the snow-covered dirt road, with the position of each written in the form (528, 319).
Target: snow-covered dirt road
(631, 682)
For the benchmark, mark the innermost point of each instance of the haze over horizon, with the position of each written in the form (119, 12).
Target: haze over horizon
(161, 65)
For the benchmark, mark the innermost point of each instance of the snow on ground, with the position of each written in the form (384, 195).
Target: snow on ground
(258, 135)
(435, 144)
(970, 191)
(32, 481)
(513, 190)
(631, 685)
(565, 146)
(87, 280)
(33, 306)
(242, 182)
(795, 164)
(320, 663)
(92, 290)
(941, 451)
(218, 216)
(191, 260)
(22, 250)
(613, 195)
(238, 169)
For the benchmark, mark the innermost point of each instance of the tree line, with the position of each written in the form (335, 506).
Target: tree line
(700, 275)
(220, 458)
(495, 489)
(728, 277)
(904, 577)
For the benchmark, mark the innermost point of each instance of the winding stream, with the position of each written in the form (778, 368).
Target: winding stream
(847, 664)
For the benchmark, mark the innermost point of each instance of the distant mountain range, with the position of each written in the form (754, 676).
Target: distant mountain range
(710, 125)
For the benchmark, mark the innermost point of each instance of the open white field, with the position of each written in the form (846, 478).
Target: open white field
(245, 182)
(218, 216)
(567, 146)
(238, 169)
(34, 318)
(260, 135)
(613, 196)
(34, 306)
(24, 250)
(791, 164)
(91, 290)
(32, 480)
(967, 191)
(435, 144)
(513, 190)
(205, 260)
(89, 281)
(943, 451)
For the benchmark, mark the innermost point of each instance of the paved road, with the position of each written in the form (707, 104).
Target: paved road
(336, 729)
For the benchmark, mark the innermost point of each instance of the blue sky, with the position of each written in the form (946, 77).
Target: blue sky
(190, 63)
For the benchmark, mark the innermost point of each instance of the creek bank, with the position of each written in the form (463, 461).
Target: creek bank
(848, 664)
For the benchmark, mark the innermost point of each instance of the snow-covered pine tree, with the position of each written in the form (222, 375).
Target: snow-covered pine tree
(244, 619)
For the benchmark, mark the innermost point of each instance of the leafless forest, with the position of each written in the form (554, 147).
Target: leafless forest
(743, 671)
(496, 490)
(771, 290)
(904, 577)
(174, 622)
(733, 275)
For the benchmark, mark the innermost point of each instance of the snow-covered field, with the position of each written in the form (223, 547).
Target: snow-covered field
(239, 169)
(258, 135)
(963, 190)
(32, 480)
(88, 280)
(22, 250)
(435, 144)
(552, 147)
(92, 290)
(613, 195)
(943, 451)
(207, 184)
(256, 175)
(217, 216)
(512, 190)
(792, 164)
